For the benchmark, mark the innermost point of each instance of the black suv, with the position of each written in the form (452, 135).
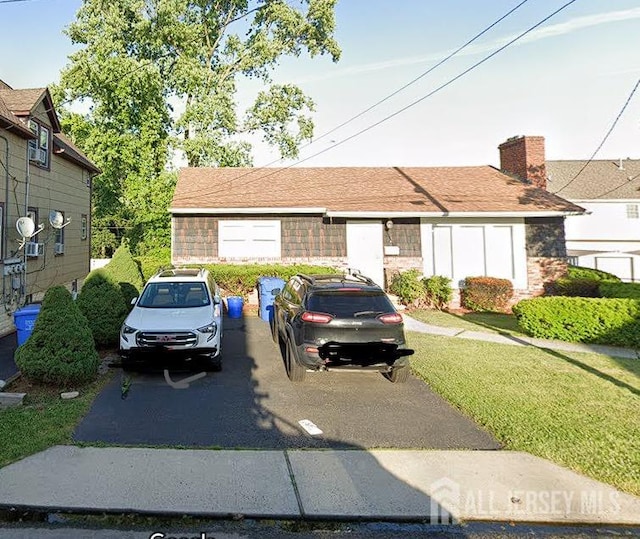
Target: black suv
(339, 321)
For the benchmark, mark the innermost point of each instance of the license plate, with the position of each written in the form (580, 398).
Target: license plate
(166, 338)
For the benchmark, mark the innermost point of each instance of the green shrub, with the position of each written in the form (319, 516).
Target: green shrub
(152, 263)
(578, 272)
(587, 320)
(241, 279)
(408, 286)
(582, 287)
(438, 291)
(610, 289)
(60, 350)
(102, 303)
(486, 294)
(124, 270)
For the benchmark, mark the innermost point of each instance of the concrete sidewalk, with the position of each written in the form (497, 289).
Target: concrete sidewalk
(412, 485)
(411, 324)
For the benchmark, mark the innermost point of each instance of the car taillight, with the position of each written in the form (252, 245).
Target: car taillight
(318, 318)
(390, 318)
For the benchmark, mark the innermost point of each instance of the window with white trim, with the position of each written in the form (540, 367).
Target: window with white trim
(39, 147)
(249, 239)
(632, 211)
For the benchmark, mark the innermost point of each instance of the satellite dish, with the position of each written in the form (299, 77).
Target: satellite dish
(25, 226)
(56, 220)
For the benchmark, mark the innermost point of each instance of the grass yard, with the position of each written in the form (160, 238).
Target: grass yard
(579, 410)
(491, 322)
(43, 420)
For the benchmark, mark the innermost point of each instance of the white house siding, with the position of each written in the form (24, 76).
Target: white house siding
(608, 238)
(460, 248)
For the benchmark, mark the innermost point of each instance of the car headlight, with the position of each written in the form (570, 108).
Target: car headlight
(209, 328)
(127, 330)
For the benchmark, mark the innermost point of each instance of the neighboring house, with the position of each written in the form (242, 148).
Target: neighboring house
(42, 175)
(609, 237)
(452, 221)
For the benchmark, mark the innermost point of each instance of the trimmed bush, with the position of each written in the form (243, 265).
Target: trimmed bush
(408, 287)
(60, 350)
(124, 270)
(486, 294)
(575, 287)
(610, 289)
(438, 291)
(104, 307)
(586, 320)
(152, 263)
(578, 272)
(241, 279)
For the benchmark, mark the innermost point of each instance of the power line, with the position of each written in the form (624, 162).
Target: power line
(13, 1)
(403, 109)
(422, 75)
(624, 107)
(396, 92)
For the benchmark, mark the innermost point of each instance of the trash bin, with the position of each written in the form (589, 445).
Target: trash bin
(24, 320)
(266, 287)
(234, 306)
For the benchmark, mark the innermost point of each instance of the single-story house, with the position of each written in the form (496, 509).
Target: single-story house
(451, 221)
(609, 237)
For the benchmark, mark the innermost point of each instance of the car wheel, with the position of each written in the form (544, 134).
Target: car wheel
(399, 375)
(126, 363)
(295, 371)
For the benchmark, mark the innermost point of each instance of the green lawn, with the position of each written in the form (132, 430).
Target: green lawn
(491, 322)
(43, 420)
(578, 410)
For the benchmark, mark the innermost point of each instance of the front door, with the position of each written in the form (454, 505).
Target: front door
(364, 249)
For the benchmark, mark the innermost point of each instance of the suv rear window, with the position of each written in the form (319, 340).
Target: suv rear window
(172, 294)
(343, 304)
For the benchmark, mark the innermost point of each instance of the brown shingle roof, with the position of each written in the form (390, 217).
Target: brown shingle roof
(438, 190)
(63, 147)
(602, 178)
(22, 103)
(9, 121)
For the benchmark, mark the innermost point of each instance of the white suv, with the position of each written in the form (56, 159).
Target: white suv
(178, 315)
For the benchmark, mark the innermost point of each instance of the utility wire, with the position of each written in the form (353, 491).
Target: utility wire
(403, 109)
(396, 92)
(422, 75)
(624, 107)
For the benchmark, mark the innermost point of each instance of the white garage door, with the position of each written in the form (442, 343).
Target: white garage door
(249, 239)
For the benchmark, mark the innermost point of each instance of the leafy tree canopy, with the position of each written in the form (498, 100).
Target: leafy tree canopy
(158, 75)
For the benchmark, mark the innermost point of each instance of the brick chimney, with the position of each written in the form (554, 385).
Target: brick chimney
(524, 157)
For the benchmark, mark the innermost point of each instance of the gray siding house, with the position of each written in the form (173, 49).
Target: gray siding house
(451, 221)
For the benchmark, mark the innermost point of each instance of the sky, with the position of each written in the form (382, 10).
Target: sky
(567, 80)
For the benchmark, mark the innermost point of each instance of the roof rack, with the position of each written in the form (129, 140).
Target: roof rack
(339, 277)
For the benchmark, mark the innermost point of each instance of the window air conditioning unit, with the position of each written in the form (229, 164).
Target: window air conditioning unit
(42, 155)
(34, 249)
(33, 153)
(58, 248)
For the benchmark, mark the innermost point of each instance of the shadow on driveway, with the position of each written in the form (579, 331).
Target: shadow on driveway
(252, 404)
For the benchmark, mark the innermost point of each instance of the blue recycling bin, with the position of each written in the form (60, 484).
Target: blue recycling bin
(24, 320)
(266, 285)
(234, 306)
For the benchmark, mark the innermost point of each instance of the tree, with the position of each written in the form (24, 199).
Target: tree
(164, 74)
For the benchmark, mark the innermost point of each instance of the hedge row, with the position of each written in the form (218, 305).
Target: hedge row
(486, 294)
(609, 289)
(587, 320)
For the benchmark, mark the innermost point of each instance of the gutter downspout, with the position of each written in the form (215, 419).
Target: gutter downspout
(4, 213)
(26, 212)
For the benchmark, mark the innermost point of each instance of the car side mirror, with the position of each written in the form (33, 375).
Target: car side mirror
(217, 299)
(133, 301)
(275, 292)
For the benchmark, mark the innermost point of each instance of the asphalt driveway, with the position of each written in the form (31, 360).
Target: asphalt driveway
(252, 404)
